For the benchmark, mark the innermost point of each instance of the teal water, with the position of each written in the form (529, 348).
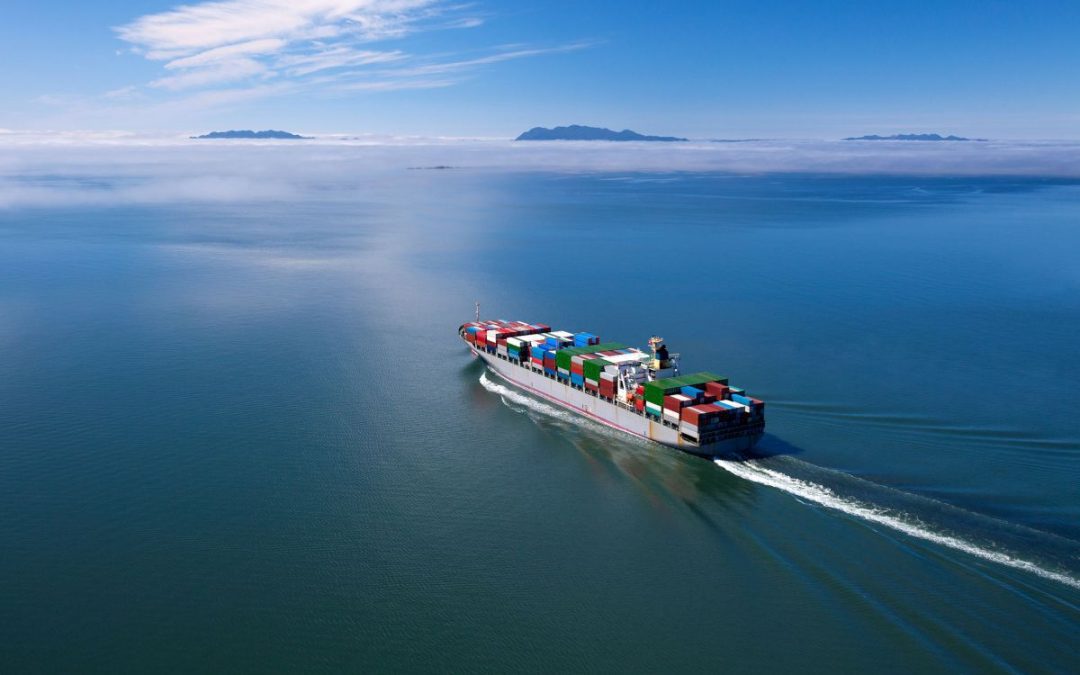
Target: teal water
(243, 437)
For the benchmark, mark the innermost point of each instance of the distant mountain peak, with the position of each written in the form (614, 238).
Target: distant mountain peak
(248, 133)
(578, 132)
(911, 137)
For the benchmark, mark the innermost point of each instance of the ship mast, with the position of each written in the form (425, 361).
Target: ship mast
(657, 364)
(477, 311)
(654, 343)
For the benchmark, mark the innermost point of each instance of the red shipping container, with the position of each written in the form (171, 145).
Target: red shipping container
(639, 403)
(672, 402)
(718, 390)
(700, 415)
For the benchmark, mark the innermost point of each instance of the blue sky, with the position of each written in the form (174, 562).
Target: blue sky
(720, 69)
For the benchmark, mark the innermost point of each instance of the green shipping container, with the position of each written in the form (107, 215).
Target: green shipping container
(697, 379)
(656, 390)
(563, 356)
(592, 368)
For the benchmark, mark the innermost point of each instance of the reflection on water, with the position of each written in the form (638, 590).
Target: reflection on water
(246, 436)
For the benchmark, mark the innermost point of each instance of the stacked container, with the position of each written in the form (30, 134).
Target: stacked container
(513, 348)
(608, 385)
(673, 406)
(700, 420)
(586, 339)
(549, 362)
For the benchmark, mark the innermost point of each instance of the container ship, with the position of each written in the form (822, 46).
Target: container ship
(638, 392)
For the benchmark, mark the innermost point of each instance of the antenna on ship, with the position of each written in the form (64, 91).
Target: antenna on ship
(654, 343)
(477, 311)
(661, 358)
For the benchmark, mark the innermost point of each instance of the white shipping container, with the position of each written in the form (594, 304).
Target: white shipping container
(563, 334)
(513, 342)
(688, 429)
(671, 415)
(624, 358)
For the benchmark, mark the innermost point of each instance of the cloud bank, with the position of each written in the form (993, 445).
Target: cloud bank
(106, 169)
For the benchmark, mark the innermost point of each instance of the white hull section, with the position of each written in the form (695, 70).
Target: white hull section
(614, 415)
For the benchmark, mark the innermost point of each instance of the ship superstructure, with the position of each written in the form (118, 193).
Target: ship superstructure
(641, 393)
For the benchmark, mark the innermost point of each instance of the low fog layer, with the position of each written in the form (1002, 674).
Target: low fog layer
(49, 170)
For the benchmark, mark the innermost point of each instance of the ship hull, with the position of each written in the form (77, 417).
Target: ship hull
(623, 418)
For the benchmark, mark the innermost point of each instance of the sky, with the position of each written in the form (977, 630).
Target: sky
(462, 68)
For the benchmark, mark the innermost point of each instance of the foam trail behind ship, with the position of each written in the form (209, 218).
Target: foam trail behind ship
(814, 492)
(753, 470)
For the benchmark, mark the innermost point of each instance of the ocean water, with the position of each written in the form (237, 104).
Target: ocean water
(243, 436)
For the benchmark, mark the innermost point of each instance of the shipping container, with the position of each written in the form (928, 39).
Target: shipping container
(568, 353)
(677, 402)
(593, 367)
(585, 339)
(734, 406)
(716, 389)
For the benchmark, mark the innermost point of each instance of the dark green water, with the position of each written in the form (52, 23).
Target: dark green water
(243, 437)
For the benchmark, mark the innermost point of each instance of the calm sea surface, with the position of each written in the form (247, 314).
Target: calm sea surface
(243, 437)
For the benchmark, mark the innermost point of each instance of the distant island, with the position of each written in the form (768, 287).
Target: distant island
(577, 132)
(248, 133)
(912, 137)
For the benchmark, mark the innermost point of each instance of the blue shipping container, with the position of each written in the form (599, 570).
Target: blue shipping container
(585, 339)
(537, 352)
(692, 392)
(740, 399)
(577, 379)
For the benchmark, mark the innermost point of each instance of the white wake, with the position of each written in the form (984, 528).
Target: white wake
(819, 494)
(812, 492)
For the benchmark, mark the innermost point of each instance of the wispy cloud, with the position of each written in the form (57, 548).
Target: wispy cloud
(249, 48)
